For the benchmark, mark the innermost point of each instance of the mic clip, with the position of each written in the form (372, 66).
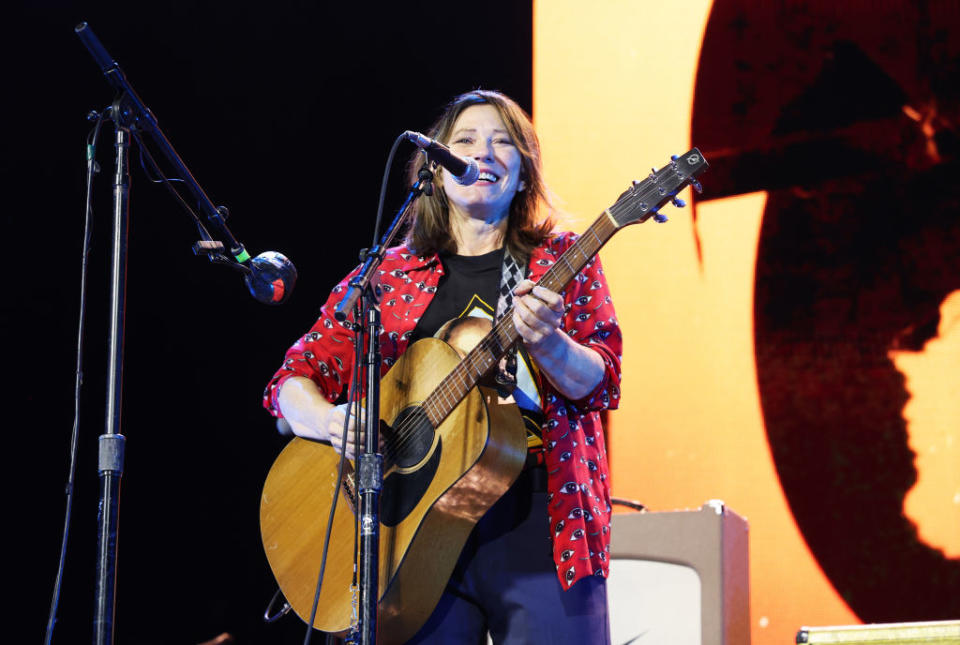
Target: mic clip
(208, 247)
(214, 251)
(425, 175)
(377, 251)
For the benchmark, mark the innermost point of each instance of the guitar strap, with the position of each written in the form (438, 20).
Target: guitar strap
(510, 276)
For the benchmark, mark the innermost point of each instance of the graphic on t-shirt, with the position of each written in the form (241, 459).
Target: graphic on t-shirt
(466, 330)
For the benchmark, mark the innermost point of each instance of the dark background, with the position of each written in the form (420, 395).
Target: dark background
(283, 111)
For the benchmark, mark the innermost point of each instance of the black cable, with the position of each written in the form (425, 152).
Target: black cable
(92, 169)
(267, 617)
(166, 181)
(359, 352)
(352, 395)
(383, 188)
(156, 180)
(629, 503)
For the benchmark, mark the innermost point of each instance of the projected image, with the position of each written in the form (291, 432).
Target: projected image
(851, 128)
(839, 284)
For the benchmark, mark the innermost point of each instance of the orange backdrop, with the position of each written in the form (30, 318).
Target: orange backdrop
(613, 93)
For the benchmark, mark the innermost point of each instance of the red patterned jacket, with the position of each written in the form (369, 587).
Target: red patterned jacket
(575, 454)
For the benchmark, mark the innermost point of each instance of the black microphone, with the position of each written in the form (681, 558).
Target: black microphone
(464, 171)
(271, 278)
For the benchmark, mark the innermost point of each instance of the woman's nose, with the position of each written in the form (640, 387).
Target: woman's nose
(482, 149)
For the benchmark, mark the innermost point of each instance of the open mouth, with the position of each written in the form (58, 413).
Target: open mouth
(488, 177)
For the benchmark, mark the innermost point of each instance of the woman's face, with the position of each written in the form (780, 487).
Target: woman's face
(479, 133)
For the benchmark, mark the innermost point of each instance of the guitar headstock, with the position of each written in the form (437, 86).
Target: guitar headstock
(646, 197)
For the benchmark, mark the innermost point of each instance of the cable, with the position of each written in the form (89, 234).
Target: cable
(352, 396)
(166, 181)
(92, 169)
(629, 503)
(383, 188)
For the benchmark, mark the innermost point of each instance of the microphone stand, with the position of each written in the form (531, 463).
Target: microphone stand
(112, 442)
(131, 116)
(370, 476)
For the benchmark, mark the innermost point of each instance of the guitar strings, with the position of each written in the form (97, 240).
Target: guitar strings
(407, 431)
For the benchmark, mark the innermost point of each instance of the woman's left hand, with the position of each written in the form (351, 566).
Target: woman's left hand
(574, 369)
(537, 313)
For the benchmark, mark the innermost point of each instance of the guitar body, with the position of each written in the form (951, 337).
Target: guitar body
(428, 508)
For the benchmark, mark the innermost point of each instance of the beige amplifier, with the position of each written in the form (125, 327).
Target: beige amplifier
(680, 577)
(941, 632)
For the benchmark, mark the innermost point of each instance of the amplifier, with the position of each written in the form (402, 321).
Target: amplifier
(941, 632)
(680, 577)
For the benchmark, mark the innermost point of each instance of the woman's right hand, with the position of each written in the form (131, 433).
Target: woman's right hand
(332, 427)
(311, 416)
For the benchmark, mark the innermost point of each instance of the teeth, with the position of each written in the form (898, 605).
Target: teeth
(487, 176)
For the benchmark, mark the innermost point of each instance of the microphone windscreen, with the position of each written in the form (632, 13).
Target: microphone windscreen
(469, 175)
(271, 278)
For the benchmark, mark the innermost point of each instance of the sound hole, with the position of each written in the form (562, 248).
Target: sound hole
(408, 442)
(409, 439)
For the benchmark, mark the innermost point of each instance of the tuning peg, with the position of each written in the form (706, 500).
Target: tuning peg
(696, 185)
(660, 218)
(679, 203)
(674, 157)
(636, 182)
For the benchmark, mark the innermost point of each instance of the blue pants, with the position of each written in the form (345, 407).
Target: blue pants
(506, 582)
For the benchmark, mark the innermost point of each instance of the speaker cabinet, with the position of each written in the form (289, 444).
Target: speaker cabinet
(680, 577)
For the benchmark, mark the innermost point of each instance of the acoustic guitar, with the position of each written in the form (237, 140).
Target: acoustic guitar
(451, 449)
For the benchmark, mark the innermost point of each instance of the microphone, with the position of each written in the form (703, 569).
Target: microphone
(270, 278)
(464, 171)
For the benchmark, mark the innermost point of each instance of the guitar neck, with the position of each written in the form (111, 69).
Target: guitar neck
(494, 345)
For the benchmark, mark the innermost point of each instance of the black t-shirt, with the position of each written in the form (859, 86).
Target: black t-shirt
(469, 288)
(469, 285)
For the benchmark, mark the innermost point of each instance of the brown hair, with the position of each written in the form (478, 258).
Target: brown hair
(430, 226)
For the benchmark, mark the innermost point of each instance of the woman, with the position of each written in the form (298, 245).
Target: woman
(466, 255)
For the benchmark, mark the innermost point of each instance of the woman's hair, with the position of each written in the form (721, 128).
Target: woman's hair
(430, 227)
